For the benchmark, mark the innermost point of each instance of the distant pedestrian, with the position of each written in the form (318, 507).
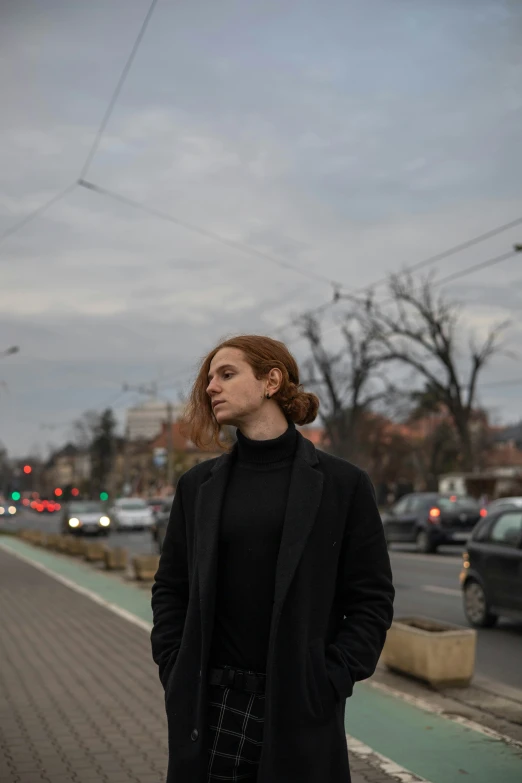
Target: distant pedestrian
(274, 591)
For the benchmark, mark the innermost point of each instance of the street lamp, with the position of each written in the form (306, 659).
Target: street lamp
(9, 351)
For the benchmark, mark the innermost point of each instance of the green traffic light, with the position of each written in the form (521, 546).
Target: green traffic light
(104, 496)
(15, 496)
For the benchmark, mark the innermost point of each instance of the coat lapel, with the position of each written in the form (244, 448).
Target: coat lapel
(304, 497)
(208, 512)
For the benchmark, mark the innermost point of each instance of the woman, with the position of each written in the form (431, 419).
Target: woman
(274, 591)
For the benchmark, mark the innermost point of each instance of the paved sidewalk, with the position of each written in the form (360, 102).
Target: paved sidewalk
(80, 700)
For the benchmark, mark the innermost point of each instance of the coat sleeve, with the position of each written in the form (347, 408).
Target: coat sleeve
(170, 591)
(365, 593)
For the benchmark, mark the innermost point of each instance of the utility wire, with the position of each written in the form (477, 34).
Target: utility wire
(468, 271)
(35, 213)
(476, 267)
(117, 90)
(449, 252)
(204, 232)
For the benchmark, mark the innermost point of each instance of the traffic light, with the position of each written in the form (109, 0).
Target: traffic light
(104, 496)
(15, 496)
(28, 469)
(75, 492)
(58, 492)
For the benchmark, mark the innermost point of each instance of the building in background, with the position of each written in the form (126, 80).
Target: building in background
(144, 422)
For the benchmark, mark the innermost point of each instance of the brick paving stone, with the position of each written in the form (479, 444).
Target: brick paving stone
(80, 699)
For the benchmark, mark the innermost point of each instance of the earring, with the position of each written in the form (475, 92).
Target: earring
(268, 396)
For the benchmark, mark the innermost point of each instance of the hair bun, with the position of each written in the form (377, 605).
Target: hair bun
(300, 406)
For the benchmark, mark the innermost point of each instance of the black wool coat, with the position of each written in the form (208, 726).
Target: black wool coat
(333, 603)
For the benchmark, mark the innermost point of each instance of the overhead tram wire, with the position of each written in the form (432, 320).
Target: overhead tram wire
(116, 92)
(454, 276)
(37, 212)
(449, 252)
(412, 268)
(204, 232)
(92, 152)
(477, 267)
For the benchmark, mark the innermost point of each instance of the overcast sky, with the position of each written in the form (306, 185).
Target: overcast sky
(344, 138)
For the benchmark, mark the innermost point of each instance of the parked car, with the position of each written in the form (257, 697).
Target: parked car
(429, 519)
(84, 517)
(155, 504)
(161, 520)
(491, 576)
(503, 504)
(131, 514)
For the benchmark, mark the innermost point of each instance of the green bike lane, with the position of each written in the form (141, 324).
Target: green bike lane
(427, 744)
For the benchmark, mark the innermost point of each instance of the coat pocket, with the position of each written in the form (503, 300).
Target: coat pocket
(322, 694)
(169, 669)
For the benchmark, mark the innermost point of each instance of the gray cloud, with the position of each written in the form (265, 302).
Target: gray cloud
(348, 143)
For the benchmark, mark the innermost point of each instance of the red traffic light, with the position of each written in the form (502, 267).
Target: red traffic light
(75, 492)
(28, 469)
(58, 492)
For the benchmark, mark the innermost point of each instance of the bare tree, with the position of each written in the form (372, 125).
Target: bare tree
(348, 382)
(421, 330)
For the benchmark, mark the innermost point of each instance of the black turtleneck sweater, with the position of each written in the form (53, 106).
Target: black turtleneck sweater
(251, 525)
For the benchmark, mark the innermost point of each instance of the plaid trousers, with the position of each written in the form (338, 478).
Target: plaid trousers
(236, 721)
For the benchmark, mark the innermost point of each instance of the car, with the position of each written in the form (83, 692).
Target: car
(503, 504)
(429, 519)
(7, 509)
(491, 576)
(131, 514)
(155, 504)
(161, 520)
(85, 516)
(44, 506)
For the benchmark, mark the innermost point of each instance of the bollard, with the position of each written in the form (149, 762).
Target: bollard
(145, 567)
(116, 559)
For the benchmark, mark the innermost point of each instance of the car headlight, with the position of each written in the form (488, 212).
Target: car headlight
(2, 510)
(12, 509)
(73, 522)
(105, 521)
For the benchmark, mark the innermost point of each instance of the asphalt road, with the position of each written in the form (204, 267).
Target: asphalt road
(425, 585)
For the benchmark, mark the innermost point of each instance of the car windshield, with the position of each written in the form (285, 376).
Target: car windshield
(85, 508)
(454, 502)
(133, 505)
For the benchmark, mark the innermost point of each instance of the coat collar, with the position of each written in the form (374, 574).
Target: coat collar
(304, 497)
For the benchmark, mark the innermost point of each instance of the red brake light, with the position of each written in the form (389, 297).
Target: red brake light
(434, 514)
(483, 512)
(453, 498)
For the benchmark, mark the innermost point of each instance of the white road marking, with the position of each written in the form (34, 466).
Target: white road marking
(441, 590)
(436, 709)
(132, 618)
(381, 762)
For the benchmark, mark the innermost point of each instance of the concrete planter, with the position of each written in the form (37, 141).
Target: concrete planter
(116, 559)
(52, 541)
(62, 544)
(440, 653)
(95, 552)
(75, 546)
(145, 567)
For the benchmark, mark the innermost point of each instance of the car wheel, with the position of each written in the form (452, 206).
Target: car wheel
(476, 606)
(423, 543)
